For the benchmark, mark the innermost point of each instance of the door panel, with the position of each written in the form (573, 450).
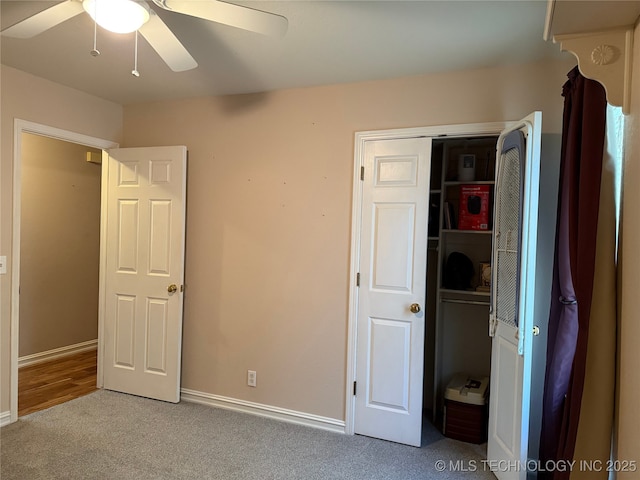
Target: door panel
(127, 236)
(125, 330)
(393, 245)
(160, 238)
(389, 360)
(390, 338)
(504, 414)
(145, 255)
(156, 347)
(515, 305)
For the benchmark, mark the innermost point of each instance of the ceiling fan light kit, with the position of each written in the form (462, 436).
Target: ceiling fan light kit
(127, 16)
(117, 16)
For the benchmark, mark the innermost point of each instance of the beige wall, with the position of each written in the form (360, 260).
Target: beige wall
(629, 334)
(59, 245)
(269, 216)
(31, 98)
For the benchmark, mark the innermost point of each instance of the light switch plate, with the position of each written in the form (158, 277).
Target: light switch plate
(3, 265)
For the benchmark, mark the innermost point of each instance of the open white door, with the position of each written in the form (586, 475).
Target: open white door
(391, 298)
(519, 307)
(145, 231)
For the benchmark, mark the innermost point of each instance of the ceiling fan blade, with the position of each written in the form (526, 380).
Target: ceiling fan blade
(44, 20)
(167, 45)
(229, 14)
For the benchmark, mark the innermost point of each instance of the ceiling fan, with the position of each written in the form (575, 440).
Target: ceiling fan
(136, 15)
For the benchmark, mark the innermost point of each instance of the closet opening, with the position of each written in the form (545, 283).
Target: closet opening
(458, 276)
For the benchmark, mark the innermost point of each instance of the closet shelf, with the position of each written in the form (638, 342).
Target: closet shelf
(473, 232)
(445, 292)
(475, 182)
(465, 302)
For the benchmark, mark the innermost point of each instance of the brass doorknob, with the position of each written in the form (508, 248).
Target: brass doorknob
(173, 288)
(415, 308)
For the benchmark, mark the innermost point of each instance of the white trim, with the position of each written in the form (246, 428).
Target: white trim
(102, 280)
(5, 418)
(261, 410)
(598, 53)
(20, 127)
(443, 131)
(55, 353)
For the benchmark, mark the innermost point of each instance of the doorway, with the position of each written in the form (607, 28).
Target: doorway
(59, 269)
(29, 346)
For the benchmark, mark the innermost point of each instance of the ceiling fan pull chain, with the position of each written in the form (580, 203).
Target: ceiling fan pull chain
(95, 52)
(135, 71)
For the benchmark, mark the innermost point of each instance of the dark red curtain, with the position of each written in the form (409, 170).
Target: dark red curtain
(583, 135)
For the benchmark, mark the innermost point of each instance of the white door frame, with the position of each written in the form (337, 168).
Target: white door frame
(20, 127)
(460, 130)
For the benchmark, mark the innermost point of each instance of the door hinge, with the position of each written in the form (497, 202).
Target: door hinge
(358, 279)
(493, 325)
(354, 388)
(361, 173)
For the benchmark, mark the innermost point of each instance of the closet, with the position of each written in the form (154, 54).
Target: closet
(402, 350)
(420, 196)
(459, 259)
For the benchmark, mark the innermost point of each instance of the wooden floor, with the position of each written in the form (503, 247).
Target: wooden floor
(50, 383)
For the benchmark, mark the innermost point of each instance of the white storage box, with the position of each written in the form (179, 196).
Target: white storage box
(466, 389)
(465, 408)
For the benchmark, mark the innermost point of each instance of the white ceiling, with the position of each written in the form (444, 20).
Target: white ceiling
(327, 42)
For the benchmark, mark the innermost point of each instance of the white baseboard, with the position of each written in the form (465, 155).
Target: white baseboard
(5, 418)
(268, 411)
(57, 353)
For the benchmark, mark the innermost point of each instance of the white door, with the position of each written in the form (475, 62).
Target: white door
(145, 231)
(517, 355)
(393, 265)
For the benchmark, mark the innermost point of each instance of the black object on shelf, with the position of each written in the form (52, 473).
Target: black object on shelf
(458, 272)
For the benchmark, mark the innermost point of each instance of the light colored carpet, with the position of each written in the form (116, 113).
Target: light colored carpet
(107, 435)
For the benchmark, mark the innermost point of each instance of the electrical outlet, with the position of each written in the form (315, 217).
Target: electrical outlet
(251, 378)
